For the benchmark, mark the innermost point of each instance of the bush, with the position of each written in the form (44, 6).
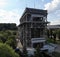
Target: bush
(7, 51)
(11, 41)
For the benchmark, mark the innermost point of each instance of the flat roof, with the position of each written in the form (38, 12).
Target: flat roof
(53, 26)
(34, 11)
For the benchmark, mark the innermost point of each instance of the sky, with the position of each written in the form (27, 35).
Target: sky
(11, 10)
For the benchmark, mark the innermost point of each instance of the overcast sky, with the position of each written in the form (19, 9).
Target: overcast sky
(11, 10)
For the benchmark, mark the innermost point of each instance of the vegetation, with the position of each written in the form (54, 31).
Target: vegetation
(56, 54)
(53, 35)
(38, 52)
(8, 37)
(7, 51)
(58, 33)
(8, 26)
(8, 40)
(25, 52)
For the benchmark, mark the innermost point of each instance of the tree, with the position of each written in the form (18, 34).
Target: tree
(47, 33)
(54, 36)
(7, 51)
(51, 33)
(2, 38)
(58, 33)
(8, 37)
(12, 41)
(25, 51)
(38, 52)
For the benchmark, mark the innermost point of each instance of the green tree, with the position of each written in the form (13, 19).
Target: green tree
(7, 51)
(8, 32)
(12, 41)
(54, 36)
(8, 37)
(48, 33)
(58, 33)
(51, 33)
(38, 52)
(2, 38)
(25, 52)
